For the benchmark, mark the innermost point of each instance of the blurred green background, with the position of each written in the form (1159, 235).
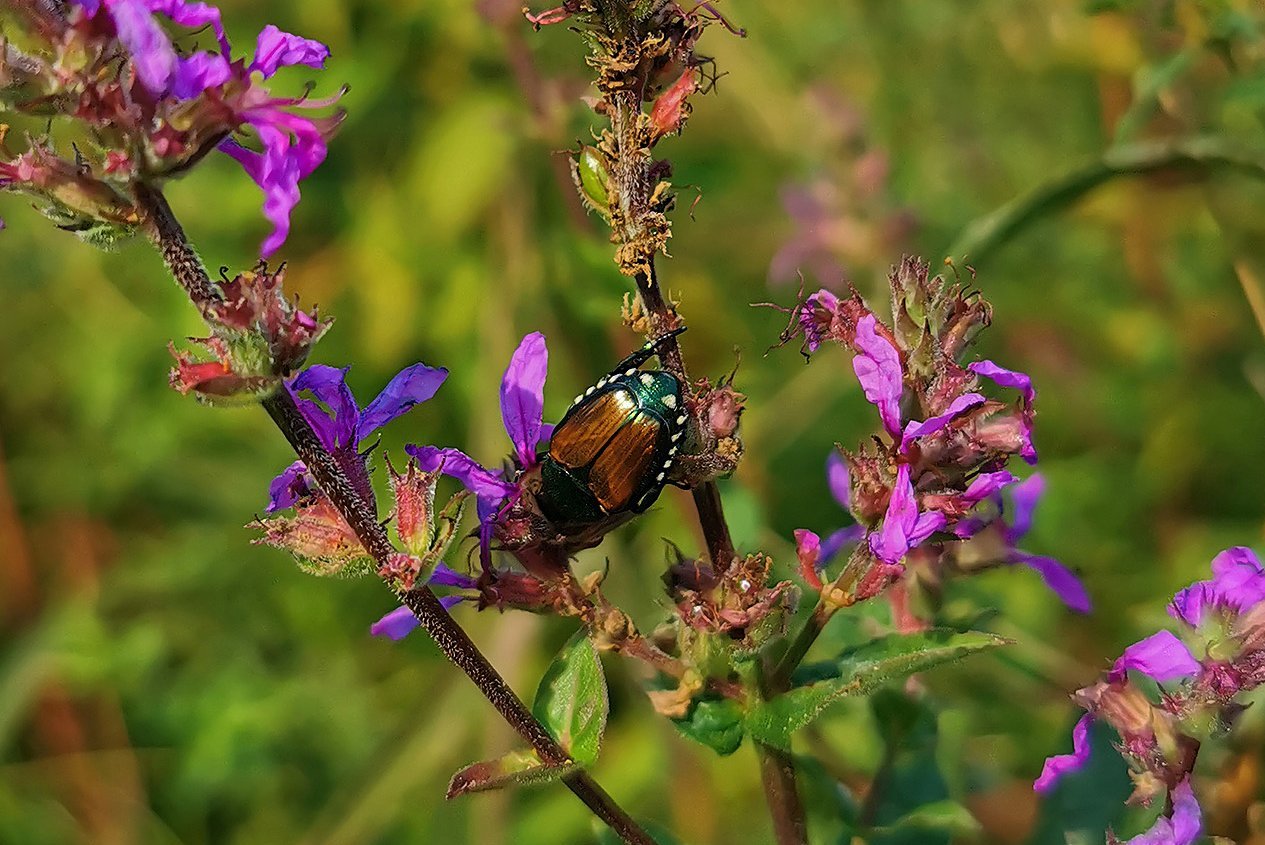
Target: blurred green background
(164, 681)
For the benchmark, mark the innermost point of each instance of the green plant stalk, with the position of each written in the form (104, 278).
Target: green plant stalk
(182, 262)
(1201, 154)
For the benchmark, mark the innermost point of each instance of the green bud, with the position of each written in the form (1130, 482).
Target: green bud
(588, 169)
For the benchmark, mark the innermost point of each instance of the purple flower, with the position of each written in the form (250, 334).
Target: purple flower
(1182, 827)
(1161, 656)
(341, 425)
(154, 58)
(903, 527)
(399, 623)
(276, 49)
(877, 367)
(1059, 765)
(1018, 381)
(809, 320)
(1238, 583)
(522, 409)
(293, 144)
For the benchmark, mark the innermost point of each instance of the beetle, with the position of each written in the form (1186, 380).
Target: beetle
(611, 452)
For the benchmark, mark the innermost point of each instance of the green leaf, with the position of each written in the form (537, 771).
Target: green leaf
(860, 671)
(944, 817)
(518, 768)
(909, 779)
(714, 722)
(572, 702)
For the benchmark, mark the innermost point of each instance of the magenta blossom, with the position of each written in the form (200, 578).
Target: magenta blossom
(522, 412)
(1182, 827)
(201, 97)
(1237, 584)
(1061, 764)
(341, 425)
(904, 527)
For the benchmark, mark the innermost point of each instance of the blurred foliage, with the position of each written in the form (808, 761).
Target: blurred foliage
(163, 681)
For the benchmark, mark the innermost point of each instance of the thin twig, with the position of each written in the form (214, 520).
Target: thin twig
(165, 230)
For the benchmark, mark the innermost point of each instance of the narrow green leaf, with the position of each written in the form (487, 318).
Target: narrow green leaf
(572, 701)
(518, 768)
(860, 671)
(714, 722)
(945, 817)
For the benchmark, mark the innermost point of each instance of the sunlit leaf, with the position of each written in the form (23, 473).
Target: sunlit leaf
(716, 723)
(572, 701)
(518, 768)
(859, 671)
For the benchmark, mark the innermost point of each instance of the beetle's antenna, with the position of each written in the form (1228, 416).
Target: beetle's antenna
(648, 351)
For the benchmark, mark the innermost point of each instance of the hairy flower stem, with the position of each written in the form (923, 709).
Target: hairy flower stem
(711, 511)
(168, 236)
(779, 678)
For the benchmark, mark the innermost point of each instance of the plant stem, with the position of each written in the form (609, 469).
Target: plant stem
(711, 511)
(777, 773)
(987, 233)
(167, 234)
(780, 676)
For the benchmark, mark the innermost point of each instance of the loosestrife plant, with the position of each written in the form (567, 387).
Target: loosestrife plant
(942, 491)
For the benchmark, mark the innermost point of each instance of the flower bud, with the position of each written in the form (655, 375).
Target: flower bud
(669, 112)
(589, 171)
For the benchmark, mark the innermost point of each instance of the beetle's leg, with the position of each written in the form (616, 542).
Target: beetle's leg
(645, 353)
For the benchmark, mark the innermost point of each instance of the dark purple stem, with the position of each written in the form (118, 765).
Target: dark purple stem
(165, 230)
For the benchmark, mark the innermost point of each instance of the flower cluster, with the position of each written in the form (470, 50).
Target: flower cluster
(940, 472)
(317, 534)
(1201, 675)
(151, 110)
(258, 338)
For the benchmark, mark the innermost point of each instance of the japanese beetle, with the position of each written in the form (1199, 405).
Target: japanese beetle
(611, 452)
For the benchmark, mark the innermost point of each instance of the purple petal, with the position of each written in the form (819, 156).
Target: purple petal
(1061, 580)
(927, 523)
(197, 73)
(809, 319)
(153, 57)
(1161, 656)
(845, 536)
(446, 577)
(523, 396)
(1024, 496)
(839, 480)
(486, 485)
(276, 49)
(288, 487)
(877, 367)
(1058, 766)
(90, 7)
(193, 16)
(337, 427)
(957, 408)
(397, 624)
(293, 148)
(1183, 828)
(986, 485)
(892, 540)
(449, 602)
(1006, 378)
(1237, 584)
(411, 386)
